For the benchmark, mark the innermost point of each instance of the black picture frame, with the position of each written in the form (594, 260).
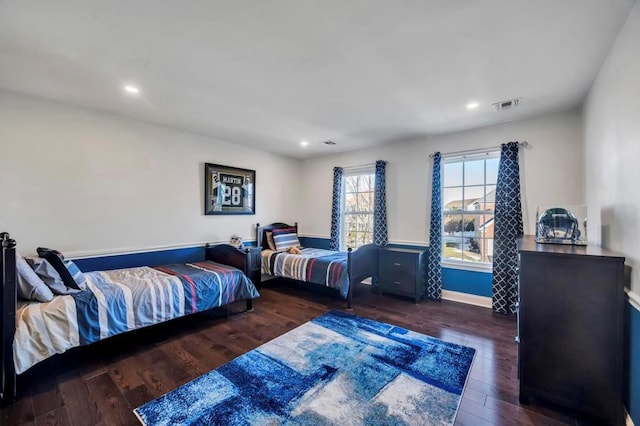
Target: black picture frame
(229, 190)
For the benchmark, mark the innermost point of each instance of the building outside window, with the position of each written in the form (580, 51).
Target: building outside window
(358, 198)
(469, 190)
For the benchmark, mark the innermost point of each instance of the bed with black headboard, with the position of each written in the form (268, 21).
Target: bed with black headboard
(338, 270)
(111, 302)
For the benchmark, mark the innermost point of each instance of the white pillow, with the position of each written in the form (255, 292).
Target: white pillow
(49, 275)
(30, 286)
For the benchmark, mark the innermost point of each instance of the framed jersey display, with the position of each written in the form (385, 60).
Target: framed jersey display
(229, 190)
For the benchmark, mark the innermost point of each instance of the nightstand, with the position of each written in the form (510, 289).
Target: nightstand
(401, 272)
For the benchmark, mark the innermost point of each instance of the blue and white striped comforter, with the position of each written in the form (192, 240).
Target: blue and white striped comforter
(122, 300)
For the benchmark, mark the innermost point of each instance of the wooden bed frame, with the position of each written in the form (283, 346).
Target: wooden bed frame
(223, 253)
(361, 263)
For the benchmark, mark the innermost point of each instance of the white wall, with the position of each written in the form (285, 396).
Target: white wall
(551, 170)
(612, 148)
(87, 182)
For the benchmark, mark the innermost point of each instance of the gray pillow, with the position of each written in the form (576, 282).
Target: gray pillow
(30, 286)
(49, 275)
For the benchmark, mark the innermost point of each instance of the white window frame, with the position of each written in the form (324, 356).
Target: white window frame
(350, 172)
(478, 155)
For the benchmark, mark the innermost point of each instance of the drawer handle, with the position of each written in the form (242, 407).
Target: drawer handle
(397, 282)
(397, 264)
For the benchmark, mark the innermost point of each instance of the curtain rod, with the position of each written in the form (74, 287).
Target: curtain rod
(360, 166)
(523, 144)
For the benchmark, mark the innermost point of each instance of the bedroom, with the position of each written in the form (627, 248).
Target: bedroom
(94, 172)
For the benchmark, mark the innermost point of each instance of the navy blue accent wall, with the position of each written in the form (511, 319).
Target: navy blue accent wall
(131, 260)
(632, 362)
(312, 242)
(470, 282)
(149, 258)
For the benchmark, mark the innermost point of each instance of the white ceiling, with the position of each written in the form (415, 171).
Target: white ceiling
(269, 74)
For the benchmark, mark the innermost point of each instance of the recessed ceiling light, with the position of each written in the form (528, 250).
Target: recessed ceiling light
(134, 90)
(304, 143)
(472, 105)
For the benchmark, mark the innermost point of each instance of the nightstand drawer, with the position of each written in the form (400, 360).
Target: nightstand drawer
(398, 263)
(403, 284)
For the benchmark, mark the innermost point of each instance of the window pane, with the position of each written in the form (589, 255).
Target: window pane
(452, 198)
(492, 170)
(471, 225)
(473, 197)
(452, 224)
(350, 223)
(490, 197)
(487, 251)
(452, 247)
(474, 172)
(365, 201)
(365, 183)
(350, 202)
(452, 174)
(365, 223)
(350, 184)
(364, 238)
(350, 240)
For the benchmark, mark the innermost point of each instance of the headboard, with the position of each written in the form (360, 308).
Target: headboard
(8, 315)
(261, 239)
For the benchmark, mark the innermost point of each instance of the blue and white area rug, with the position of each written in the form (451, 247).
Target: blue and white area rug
(338, 369)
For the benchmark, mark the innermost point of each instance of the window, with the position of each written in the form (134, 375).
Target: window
(468, 205)
(357, 216)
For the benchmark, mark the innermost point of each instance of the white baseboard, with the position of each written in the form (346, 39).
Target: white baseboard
(470, 299)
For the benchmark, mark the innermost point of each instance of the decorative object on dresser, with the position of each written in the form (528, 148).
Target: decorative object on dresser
(401, 272)
(229, 190)
(570, 327)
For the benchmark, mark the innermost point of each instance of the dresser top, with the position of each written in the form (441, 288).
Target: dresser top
(528, 244)
(404, 250)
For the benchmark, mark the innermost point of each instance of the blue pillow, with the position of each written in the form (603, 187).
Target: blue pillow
(49, 276)
(71, 275)
(30, 286)
(285, 238)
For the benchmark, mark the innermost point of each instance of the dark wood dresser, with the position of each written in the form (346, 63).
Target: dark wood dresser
(400, 272)
(570, 328)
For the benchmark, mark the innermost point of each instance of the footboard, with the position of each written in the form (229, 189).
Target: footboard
(361, 263)
(8, 315)
(364, 262)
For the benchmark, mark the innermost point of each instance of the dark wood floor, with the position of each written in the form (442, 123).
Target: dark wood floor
(102, 384)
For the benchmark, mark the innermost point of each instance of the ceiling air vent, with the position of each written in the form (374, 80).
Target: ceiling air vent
(510, 104)
(329, 142)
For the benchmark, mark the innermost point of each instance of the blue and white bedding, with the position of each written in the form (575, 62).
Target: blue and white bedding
(318, 266)
(122, 300)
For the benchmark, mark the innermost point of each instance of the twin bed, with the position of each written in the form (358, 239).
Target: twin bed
(113, 302)
(122, 300)
(338, 270)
